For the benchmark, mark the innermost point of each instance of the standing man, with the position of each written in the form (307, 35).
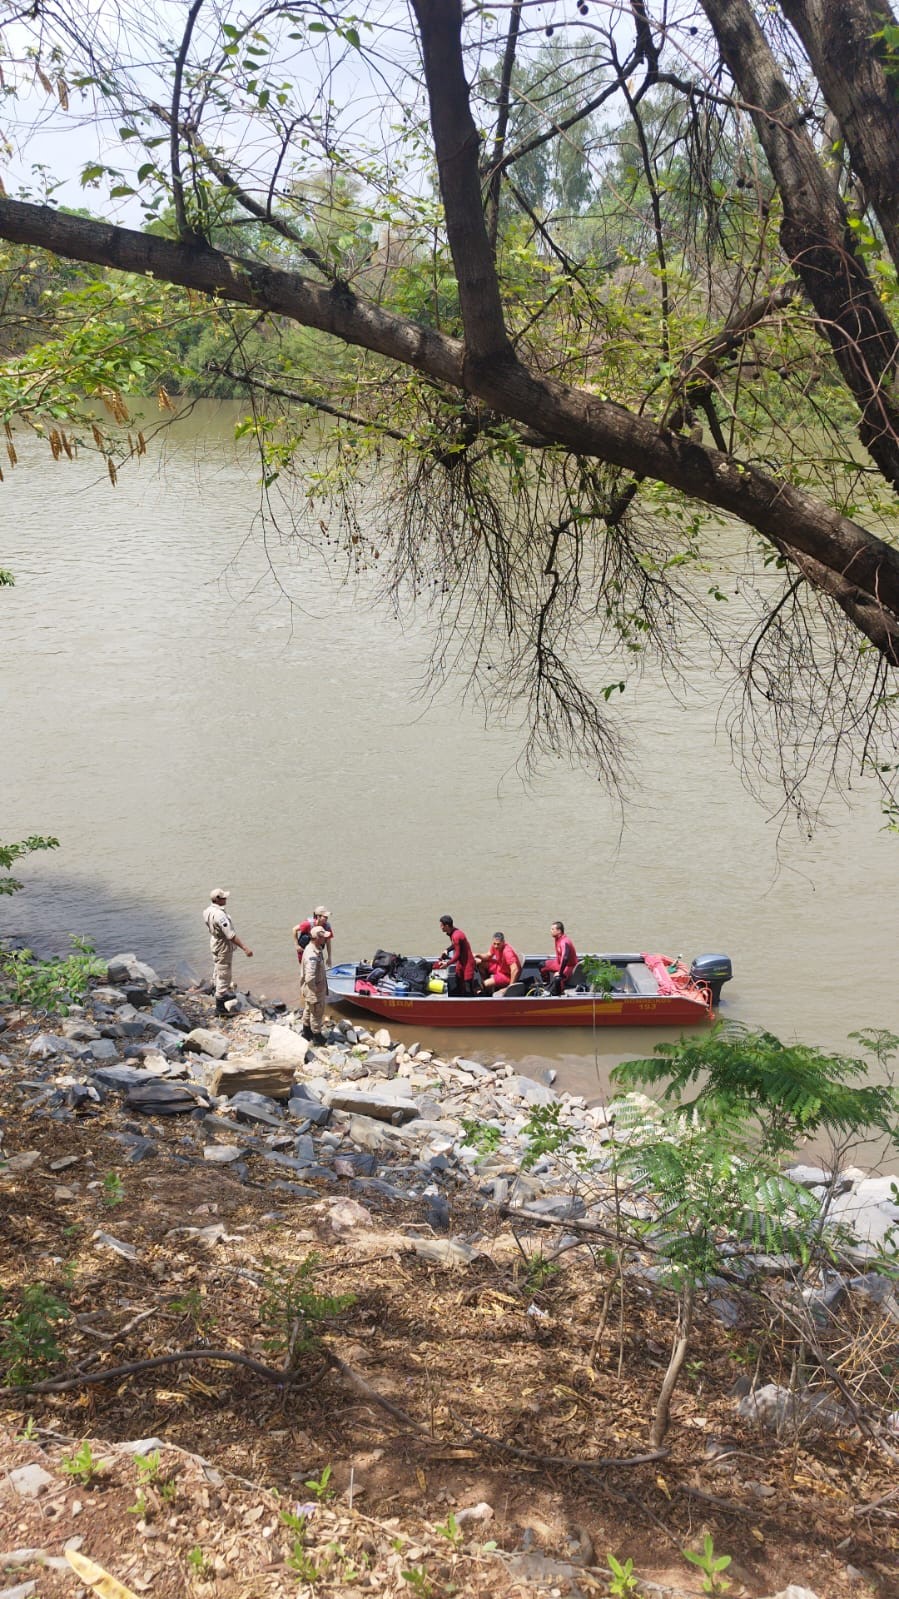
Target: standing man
(458, 958)
(314, 985)
(222, 939)
(558, 972)
(500, 967)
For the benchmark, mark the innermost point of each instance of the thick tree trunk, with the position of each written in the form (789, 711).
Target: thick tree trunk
(839, 38)
(815, 233)
(853, 558)
(457, 144)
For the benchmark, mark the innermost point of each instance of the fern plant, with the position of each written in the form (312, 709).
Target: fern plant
(791, 1090)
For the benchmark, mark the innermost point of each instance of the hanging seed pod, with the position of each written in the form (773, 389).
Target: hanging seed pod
(113, 474)
(11, 452)
(98, 436)
(62, 90)
(7, 428)
(164, 399)
(141, 444)
(66, 445)
(55, 446)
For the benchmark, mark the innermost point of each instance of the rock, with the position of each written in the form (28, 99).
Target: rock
(107, 996)
(380, 1063)
(48, 1044)
(102, 1049)
(159, 1098)
(562, 1207)
(528, 1089)
(77, 1028)
(29, 1482)
(818, 1177)
(377, 1104)
(128, 969)
(251, 1107)
(344, 1215)
(21, 1590)
(870, 1211)
(17, 1164)
(117, 1245)
(451, 1252)
(286, 1045)
(794, 1592)
(120, 1078)
(203, 1042)
(273, 1079)
(308, 1112)
(778, 1408)
(383, 1038)
(171, 1015)
(222, 1154)
(479, 1512)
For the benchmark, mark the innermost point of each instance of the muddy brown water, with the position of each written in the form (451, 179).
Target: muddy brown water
(187, 703)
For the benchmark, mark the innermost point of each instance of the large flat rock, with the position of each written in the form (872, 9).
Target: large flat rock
(382, 1106)
(286, 1045)
(273, 1078)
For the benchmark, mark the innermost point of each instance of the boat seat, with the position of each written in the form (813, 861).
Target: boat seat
(513, 990)
(642, 980)
(576, 980)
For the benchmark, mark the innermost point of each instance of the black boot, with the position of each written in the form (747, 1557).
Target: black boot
(306, 1031)
(220, 1004)
(319, 1038)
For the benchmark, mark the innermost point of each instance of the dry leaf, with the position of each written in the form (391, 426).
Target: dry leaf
(102, 1583)
(661, 1483)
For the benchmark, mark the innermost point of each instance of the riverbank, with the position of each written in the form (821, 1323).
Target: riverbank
(199, 1191)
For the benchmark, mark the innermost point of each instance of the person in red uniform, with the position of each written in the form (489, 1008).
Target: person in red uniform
(558, 972)
(458, 958)
(499, 967)
(303, 932)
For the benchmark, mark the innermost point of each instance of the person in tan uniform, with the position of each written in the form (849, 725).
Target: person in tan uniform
(314, 985)
(222, 939)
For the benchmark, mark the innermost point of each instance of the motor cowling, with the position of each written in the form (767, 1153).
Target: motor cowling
(714, 970)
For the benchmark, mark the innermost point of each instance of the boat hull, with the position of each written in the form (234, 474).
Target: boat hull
(566, 1010)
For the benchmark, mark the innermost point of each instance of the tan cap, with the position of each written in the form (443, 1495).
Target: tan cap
(219, 893)
(318, 932)
(320, 911)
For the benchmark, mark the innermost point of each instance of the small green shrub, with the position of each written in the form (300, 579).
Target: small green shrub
(29, 1347)
(82, 1465)
(49, 985)
(711, 1565)
(600, 975)
(293, 1313)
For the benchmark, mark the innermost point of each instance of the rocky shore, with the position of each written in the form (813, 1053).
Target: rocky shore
(394, 1153)
(397, 1114)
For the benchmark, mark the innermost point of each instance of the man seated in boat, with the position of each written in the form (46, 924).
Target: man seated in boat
(499, 967)
(559, 970)
(458, 960)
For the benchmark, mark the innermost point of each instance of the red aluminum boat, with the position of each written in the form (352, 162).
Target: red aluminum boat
(652, 991)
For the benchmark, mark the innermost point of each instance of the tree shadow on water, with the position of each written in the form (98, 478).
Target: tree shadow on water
(50, 908)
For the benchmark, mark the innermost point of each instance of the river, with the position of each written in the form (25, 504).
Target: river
(186, 706)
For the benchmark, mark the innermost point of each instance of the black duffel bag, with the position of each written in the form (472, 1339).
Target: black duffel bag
(415, 973)
(385, 962)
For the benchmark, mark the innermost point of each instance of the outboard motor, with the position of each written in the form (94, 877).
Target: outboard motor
(715, 970)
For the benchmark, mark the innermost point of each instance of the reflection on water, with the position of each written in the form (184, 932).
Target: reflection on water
(185, 704)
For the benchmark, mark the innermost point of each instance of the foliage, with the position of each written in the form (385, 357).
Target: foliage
(711, 1565)
(82, 1465)
(791, 1090)
(29, 1347)
(14, 852)
(600, 975)
(482, 1136)
(49, 985)
(113, 1189)
(293, 1314)
(623, 1580)
(641, 271)
(320, 1487)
